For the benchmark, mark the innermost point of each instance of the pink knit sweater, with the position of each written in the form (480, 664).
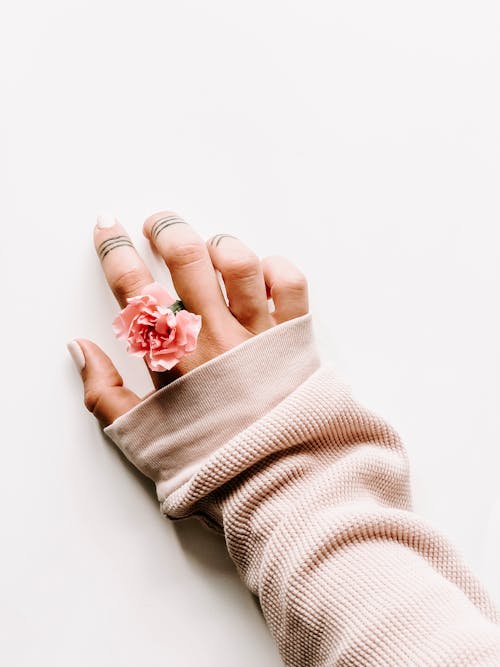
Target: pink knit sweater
(311, 491)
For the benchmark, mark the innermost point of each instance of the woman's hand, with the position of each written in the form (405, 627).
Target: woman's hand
(249, 283)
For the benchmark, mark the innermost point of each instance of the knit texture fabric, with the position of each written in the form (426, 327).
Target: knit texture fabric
(311, 492)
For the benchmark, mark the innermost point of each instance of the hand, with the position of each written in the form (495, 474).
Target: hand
(249, 284)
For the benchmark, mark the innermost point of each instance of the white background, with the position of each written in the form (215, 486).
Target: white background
(361, 139)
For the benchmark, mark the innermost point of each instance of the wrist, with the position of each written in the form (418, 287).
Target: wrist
(174, 430)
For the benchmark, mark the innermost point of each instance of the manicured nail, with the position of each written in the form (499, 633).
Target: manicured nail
(106, 220)
(77, 355)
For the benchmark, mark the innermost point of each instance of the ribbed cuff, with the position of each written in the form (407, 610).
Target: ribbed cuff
(173, 431)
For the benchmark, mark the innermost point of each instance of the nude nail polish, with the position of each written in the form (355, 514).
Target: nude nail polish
(77, 355)
(106, 220)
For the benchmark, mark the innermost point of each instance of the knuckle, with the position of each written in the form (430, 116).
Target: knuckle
(244, 267)
(91, 399)
(185, 254)
(128, 283)
(292, 284)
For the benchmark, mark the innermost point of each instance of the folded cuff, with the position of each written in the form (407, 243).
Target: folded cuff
(172, 432)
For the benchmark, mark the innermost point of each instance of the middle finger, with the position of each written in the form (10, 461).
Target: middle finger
(189, 263)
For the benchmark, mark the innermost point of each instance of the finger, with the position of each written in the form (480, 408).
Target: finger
(125, 271)
(189, 264)
(287, 287)
(104, 393)
(241, 271)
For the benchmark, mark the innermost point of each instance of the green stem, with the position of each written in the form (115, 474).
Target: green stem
(176, 306)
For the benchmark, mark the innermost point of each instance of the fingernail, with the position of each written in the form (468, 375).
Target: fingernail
(77, 355)
(106, 220)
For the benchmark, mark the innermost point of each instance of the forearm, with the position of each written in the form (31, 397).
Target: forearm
(312, 494)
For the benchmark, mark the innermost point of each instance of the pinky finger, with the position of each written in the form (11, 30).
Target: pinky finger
(287, 286)
(104, 393)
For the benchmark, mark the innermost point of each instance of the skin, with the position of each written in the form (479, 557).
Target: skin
(192, 262)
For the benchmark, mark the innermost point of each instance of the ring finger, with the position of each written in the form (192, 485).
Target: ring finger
(243, 277)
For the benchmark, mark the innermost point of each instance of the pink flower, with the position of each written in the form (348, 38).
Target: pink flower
(152, 330)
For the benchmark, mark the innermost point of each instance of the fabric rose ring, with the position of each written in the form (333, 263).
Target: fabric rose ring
(157, 327)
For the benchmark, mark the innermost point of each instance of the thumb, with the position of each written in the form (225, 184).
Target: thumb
(104, 393)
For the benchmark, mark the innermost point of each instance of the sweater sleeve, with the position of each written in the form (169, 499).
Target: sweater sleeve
(311, 491)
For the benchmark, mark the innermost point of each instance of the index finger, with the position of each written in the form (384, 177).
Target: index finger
(124, 269)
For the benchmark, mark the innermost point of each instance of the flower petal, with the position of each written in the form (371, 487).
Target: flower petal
(159, 293)
(155, 332)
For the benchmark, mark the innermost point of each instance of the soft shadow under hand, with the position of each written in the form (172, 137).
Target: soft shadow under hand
(205, 547)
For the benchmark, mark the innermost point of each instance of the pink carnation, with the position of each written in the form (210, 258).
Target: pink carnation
(154, 331)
